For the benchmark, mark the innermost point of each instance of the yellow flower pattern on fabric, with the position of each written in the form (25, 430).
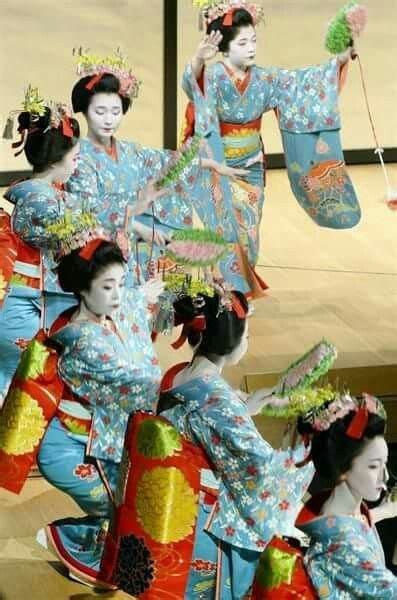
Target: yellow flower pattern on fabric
(166, 504)
(33, 360)
(3, 286)
(19, 280)
(22, 423)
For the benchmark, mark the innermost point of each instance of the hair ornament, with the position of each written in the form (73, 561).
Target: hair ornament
(212, 10)
(97, 66)
(322, 417)
(74, 231)
(36, 106)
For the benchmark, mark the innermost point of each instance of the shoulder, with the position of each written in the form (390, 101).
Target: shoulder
(29, 188)
(79, 335)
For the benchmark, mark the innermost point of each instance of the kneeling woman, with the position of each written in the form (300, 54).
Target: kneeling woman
(110, 370)
(247, 491)
(345, 558)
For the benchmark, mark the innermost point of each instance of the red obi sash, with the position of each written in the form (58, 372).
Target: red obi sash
(19, 262)
(149, 546)
(281, 574)
(30, 404)
(230, 128)
(32, 401)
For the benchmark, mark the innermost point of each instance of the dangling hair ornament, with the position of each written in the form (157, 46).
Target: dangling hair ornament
(212, 10)
(36, 107)
(94, 66)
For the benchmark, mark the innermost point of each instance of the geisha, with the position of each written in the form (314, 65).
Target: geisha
(109, 370)
(345, 558)
(120, 169)
(29, 294)
(29, 287)
(202, 492)
(229, 98)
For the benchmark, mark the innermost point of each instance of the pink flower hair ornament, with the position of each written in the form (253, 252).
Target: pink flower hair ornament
(323, 417)
(210, 11)
(97, 66)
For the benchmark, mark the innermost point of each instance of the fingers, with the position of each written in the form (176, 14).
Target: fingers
(160, 238)
(241, 172)
(214, 38)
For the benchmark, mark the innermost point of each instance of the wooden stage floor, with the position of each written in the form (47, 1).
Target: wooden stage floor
(341, 285)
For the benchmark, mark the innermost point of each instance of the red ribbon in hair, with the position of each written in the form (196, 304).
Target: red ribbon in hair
(93, 81)
(358, 424)
(228, 18)
(198, 323)
(238, 308)
(88, 251)
(66, 126)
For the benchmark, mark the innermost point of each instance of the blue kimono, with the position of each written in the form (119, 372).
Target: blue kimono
(113, 182)
(345, 558)
(33, 298)
(110, 372)
(228, 112)
(258, 488)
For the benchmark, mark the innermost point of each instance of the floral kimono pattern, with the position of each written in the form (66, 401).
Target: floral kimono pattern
(110, 373)
(111, 182)
(229, 112)
(345, 559)
(33, 297)
(257, 489)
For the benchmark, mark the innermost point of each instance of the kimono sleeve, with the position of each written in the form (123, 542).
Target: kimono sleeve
(95, 371)
(307, 99)
(349, 570)
(154, 163)
(260, 487)
(32, 214)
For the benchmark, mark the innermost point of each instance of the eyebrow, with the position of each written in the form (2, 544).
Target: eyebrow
(112, 279)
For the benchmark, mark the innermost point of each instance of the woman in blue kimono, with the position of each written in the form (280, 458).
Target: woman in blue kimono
(120, 168)
(345, 558)
(30, 295)
(107, 363)
(229, 99)
(247, 492)
(33, 298)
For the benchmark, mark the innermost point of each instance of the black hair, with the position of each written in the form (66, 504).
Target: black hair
(224, 329)
(108, 84)
(44, 144)
(75, 274)
(241, 18)
(333, 452)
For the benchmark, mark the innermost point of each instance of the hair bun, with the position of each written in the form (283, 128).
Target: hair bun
(24, 120)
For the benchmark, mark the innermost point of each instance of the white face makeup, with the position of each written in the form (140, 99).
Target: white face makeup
(62, 170)
(368, 474)
(242, 50)
(104, 116)
(106, 292)
(238, 353)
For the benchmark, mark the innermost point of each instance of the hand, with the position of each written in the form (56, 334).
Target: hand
(208, 47)
(386, 510)
(153, 288)
(146, 196)
(346, 55)
(222, 169)
(256, 401)
(146, 233)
